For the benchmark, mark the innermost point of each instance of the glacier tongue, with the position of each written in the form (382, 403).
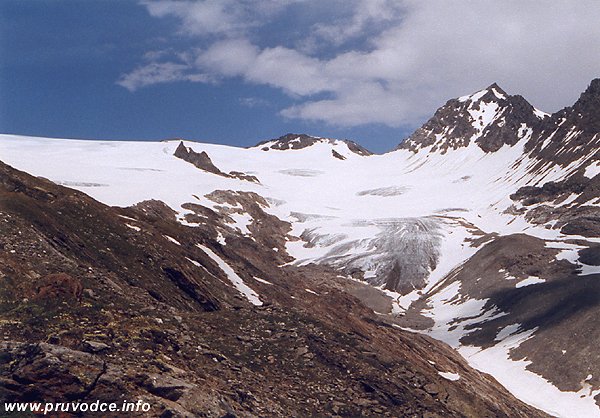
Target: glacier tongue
(397, 253)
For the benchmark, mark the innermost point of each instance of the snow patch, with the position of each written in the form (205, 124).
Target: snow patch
(506, 331)
(528, 386)
(194, 262)
(173, 240)
(263, 281)
(540, 114)
(135, 228)
(235, 279)
(530, 281)
(592, 170)
(452, 314)
(449, 375)
(241, 222)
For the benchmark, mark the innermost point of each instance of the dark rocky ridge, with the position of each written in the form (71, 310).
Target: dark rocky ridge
(587, 108)
(571, 133)
(300, 141)
(203, 162)
(200, 160)
(130, 317)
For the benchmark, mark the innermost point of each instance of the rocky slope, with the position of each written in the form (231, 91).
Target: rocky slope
(571, 135)
(112, 303)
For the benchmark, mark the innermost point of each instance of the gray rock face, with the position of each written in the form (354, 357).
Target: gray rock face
(166, 387)
(516, 113)
(95, 346)
(587, 108)
(203, 162)
(200, 160)
(54, 372)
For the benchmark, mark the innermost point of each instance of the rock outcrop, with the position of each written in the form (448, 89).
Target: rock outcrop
(203, 162)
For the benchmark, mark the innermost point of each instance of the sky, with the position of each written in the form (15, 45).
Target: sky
(241, 71)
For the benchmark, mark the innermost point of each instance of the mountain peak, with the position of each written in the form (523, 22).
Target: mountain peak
(497, 91)
(490, 118)
(289, 141)
(495, 86)
(491, 93)
(293, 136)
(590, 98)
(595, 85)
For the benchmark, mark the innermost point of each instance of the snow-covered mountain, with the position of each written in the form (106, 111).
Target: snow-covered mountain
(481, 229)
(490, 118)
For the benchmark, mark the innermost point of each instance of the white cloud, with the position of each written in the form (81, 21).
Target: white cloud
(408, 57)
(361, 104)
(364, 14)
(205, 17)
(228, 58)
(289, 70)
(217, 17)
(253, 102)
(155, 73)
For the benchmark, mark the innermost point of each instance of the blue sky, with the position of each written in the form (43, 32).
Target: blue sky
(240, 71)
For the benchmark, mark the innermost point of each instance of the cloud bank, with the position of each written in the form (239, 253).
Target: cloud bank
(349, 63)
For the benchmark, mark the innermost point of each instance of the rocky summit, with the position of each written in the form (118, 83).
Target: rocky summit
(456, 275)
